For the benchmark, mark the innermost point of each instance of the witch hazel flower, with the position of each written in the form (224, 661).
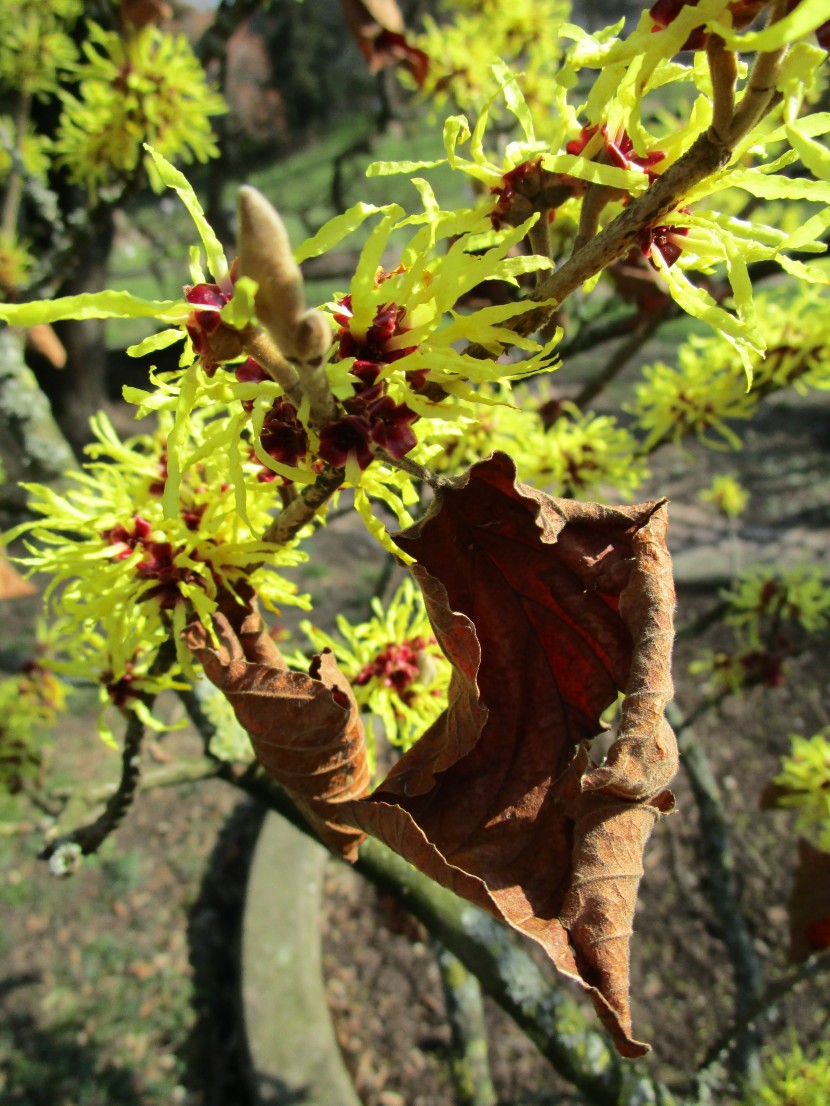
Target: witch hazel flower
(213, 341)
(283, 437)
(395, 665)
(373, 419)
(664, 13)
(526, 188)
(398, 666)
(531, 186)
(668, 240)
(169, 574)
(741, 14)
(126, 574)
(617, 150)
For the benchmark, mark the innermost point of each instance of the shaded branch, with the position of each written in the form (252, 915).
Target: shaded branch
(65, 850)
(469, 1060)
(723, 890)
(415, 470)
(229, 15)
(808, 972)
(621, 357)
(496, 956)
(191, 770)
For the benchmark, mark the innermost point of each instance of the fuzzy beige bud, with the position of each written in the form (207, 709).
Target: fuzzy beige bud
(265, 256)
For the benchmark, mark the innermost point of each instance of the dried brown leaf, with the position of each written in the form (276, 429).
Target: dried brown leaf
(547, 609)
(12, 584)
(380, 32)
(305, 729)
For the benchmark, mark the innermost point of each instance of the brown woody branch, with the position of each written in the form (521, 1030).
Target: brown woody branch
(710, 152)
(298, 514)
(724, 892)
(89, 838)
(496, 956)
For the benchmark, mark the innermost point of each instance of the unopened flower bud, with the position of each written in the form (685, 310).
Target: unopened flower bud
(265, 256)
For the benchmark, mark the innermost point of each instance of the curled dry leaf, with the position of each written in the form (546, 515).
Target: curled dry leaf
(379, 30)
(136, 14)
(12, 584)
(43, 340)
(305, 729)
(547, 609)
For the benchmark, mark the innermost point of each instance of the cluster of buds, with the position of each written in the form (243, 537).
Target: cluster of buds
(763, 666)
(157, 563)
(121, 690)
(666, 239)
(399, 666)
(529, 187)
(213, 341)
(372, 419)
(737, 671)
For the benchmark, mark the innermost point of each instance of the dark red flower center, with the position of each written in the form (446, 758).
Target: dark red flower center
(283, 436)
(372, 417)
(158, 557)
(396, 666)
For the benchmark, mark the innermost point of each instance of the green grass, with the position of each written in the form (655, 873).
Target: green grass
(101, 1021)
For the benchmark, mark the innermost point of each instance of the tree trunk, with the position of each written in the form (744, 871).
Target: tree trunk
(79, 389)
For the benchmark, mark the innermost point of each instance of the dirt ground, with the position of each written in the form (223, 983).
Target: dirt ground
(120, 984)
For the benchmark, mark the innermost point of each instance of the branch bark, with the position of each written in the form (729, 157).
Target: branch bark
(496, 956)
(469, 1062)
(65, 850)
(724, 894)
(298, 514)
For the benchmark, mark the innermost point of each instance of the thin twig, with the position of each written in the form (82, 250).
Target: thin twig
(14, 183)
(258, 345)
(621, 357)
(763, 1007)
(723, 890)
(539, 239)
(723, 67)
(64, 852)
(66, 849)
(419, 472)
(37, 192)
(384, 576)
(760, 93)
(594, 202)
(711, 617)
(189, 770)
